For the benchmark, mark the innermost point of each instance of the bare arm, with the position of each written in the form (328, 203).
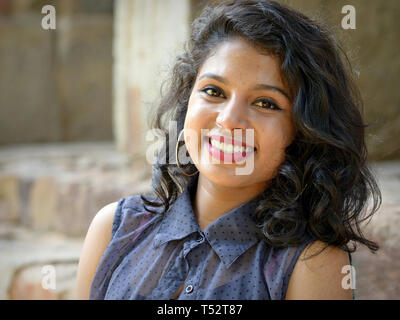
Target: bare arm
(97, 239)
(319, 277)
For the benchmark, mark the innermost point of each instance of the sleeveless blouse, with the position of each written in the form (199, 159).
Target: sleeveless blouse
(151, 255)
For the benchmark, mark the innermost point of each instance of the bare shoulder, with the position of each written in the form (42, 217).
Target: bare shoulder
(96, 241)
(318, 275)
(105, 216)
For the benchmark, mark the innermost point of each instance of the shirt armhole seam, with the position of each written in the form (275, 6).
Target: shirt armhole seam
(292, 264)
(117, 217)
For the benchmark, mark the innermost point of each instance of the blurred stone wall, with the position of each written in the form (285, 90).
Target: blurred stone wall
(148, 36)
(55, 85)
(97, 77)
(373, 49)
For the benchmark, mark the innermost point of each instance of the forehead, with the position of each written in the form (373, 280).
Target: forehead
(238, 57)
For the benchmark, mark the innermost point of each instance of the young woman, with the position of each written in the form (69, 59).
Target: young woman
(280, 231)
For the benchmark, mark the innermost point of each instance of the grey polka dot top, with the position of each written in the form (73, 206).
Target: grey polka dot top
(151, 256)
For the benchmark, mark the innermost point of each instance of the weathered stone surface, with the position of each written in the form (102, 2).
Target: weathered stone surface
(9, 198)
(25, 6)
(45, 282)
(84, 67)
(29, 108)
(23, 260)
(385, 224)
(43, 202)
(373, 50)
(5, 7)
(61, 187)
(55, 84)
(377, 274)
(145, 44)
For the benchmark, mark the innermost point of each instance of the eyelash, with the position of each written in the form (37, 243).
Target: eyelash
(276, 107)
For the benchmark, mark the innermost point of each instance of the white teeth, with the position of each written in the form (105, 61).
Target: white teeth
(228, 148)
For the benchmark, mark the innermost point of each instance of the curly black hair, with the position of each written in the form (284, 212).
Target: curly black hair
(324, 185)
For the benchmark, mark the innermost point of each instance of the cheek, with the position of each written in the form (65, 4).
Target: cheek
(276, 136)
(200, 115)
(195, 113)
(195, 121)
(272, 152)
(285, 130)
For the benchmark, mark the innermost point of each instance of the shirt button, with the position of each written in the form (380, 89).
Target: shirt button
(189, 288)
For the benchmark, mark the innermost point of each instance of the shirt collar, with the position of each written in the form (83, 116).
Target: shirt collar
(179, 221)
(230, 235)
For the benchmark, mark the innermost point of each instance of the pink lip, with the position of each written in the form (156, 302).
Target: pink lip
(229, 140)
(227, 157)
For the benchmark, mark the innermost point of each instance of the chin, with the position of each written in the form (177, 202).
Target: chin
(226, 177)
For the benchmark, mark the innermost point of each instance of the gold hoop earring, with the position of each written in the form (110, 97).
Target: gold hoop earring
(176, 157)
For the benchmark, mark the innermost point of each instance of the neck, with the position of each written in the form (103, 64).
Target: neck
(212, 200)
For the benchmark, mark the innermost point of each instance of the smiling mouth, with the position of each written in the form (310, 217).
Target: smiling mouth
(227, 152)
(229, 148)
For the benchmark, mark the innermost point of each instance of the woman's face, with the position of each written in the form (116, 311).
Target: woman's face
(238, 88)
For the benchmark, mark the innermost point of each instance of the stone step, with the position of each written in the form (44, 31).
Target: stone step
(61, 187)
(37, 265)
(49, 193)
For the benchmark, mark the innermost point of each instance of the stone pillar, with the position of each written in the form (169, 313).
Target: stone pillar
(147, 36)
(83, 66)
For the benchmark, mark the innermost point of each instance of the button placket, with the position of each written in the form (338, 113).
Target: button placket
(189, 290)
(192, 285)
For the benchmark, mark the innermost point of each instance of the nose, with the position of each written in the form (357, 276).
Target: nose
(233, 115)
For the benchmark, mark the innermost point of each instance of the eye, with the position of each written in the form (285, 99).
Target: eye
(267, 104)
(213, 92)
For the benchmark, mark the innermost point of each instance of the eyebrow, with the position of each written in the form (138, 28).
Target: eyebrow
(257, 87)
